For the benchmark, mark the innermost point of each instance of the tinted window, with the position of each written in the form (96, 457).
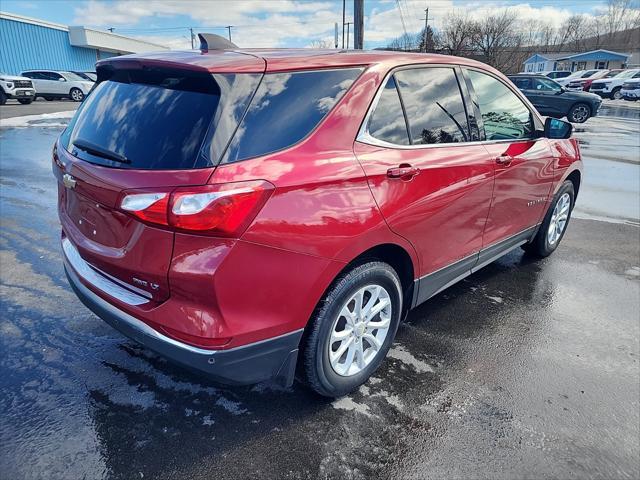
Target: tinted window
(544, 85)
(286, 108)
(51, 76)
(433, 102)
(155, 119)
(503, 113)
(387, 121)
(522, 83)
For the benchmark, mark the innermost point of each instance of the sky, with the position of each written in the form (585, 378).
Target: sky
(275, 23)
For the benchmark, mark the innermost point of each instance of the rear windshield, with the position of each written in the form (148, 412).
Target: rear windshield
(157, 119)
(160, 119)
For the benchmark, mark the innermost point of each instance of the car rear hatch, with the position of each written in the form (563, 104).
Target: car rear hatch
(147, 126)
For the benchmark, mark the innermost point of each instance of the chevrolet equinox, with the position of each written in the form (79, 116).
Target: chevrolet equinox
(261, 214)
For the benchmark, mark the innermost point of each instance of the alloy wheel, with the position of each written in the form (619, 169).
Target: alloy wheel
(76, 95)
(359, 331)
(580, 114)
(559, 219)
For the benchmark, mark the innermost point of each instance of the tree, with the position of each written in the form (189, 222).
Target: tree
(456, 34)
(321, 44)
(432, 40)
(496, 38)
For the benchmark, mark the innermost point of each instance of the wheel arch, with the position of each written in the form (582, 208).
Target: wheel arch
(575, 177)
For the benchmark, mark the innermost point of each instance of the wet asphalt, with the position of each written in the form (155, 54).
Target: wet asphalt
(527, 369)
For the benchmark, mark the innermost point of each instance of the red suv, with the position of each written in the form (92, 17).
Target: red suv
(257, 213)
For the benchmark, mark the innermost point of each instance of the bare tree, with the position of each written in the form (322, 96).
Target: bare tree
(405, 42)
(496, 38)
(456, 34)
(321, 44)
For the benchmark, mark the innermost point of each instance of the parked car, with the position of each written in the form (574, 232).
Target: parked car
(578, 75)
(553, 100)
(631, 90)
(555, 74)
(247, 215)
(19, 88)
(90, 76)
(584, 84)
(51, 84)
(610, 87)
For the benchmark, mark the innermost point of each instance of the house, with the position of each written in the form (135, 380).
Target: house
(595, 59)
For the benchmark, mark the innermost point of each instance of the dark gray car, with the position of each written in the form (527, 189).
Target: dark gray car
(553, 100)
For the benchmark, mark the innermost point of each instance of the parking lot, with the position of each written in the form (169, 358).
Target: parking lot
(527, 369)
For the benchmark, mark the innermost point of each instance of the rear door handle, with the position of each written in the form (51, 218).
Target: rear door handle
(404, 171)
(504, 160)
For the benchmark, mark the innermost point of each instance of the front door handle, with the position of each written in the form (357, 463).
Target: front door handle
(404, 171)
(504, 160)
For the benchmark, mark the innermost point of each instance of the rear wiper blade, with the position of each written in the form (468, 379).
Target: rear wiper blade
(99, 151)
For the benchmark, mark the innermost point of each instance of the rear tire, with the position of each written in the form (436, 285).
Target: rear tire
(25, 101)
(579, 113)
(48, 99)
(553, 226)
(341, 323)
(76, 95)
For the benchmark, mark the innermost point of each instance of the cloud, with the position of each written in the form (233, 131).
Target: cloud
(281, 23)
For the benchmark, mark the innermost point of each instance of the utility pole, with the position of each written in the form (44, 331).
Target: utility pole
(191, 31)
(426, 24)
(358, 24)
(347, 24)
(229, 27)
(343, 19)
(111, 29)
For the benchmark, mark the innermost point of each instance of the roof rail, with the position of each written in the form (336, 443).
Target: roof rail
(211, 41)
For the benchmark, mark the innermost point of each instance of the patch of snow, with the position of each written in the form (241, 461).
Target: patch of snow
(400, 353)
(347, 403)
(41, 120)
(633, 271)
(494, 299)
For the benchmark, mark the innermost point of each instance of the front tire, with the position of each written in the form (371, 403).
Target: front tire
(3, 97)
(616, 94)
(352, 329)
(579, 113)
(76, 95)
(555, 223)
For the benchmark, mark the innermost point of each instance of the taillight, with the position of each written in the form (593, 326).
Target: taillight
(222, 210)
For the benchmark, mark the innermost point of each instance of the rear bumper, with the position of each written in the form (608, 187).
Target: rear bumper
(271, 359)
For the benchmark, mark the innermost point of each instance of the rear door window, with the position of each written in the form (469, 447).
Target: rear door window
(433, 102)
(286, 108)
(387, 123)
(158, 119)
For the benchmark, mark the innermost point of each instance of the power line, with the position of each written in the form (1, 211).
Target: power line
(404, 27)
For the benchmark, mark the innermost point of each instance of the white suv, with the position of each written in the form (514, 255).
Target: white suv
(52, 84)
(19, 88)
(611, 87)
(631, 90)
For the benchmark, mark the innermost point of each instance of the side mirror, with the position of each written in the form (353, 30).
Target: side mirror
(554, 128)
(61, 79)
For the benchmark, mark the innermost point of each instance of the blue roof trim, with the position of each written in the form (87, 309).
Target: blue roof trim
(597, 55)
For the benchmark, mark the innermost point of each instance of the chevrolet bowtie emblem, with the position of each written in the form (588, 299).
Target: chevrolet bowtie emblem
(69, 181)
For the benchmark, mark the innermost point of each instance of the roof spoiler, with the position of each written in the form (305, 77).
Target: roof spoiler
(211, 41)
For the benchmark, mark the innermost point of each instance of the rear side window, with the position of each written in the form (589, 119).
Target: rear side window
(387, 122)
(158, 119)
(286, 108)
(522, 83)
(504, 115)
(433, 102)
